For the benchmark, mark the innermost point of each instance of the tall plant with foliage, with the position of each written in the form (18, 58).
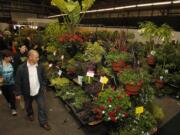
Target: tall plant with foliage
(72, 10)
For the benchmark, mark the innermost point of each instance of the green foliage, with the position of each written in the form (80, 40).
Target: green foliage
(94, 52)
(133, 77)
(72, 10)
(112, 105)
(164, 33)
(53, 31)
(157, 111)
(116, 56)
(59, 82)
(148, 30)
(138, 125)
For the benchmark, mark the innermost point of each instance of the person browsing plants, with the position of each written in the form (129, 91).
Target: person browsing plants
(31, 84)
(7, 80)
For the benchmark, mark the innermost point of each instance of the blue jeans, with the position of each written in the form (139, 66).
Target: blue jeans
(42, 116)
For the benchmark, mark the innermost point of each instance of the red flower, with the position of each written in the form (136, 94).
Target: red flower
(128, 93)
(113, 119)
(112, 113)
(102, 107)
(109, 100)
(119, 97)
(126, 115)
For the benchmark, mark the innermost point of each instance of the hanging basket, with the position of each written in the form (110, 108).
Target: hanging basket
(118, 66)
(133, 89)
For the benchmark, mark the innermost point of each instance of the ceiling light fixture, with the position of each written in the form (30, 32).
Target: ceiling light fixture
(125, 7)
(175, 2)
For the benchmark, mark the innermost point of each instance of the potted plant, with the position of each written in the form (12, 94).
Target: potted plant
(93, 52)
(132, 80)
(117, 59)
(111, 105)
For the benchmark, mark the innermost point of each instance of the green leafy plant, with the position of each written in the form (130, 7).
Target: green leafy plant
(72, 11)
(111, 105)
(59, 82)
(93, 52)
(157, 112)
(129, 76)
(116, 56)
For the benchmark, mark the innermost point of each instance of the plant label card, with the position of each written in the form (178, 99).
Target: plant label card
(104, 79)
(80, 80)
(139, 110)
(60, 72)
(90, 73)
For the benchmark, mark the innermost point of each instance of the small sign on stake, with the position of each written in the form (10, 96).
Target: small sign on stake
(104, 80)
(62, 58)
(59, 72)
(139, 110)
(90, 74)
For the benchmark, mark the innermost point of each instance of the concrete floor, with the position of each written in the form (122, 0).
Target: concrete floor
(60, 119)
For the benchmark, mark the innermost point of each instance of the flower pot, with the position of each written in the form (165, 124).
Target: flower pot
(159, 83)
(118, 66)
(151, 60)
(133, 89)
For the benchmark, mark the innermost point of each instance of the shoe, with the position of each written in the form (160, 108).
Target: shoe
(30, 118)
(46, 127)
(14, 112)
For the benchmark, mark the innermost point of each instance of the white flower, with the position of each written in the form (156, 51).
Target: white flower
(50, 65)
(110, 106)
(109, 118)
(161, 77)
(103, 112)
(54, 53)
(153, 52)
(166, 71)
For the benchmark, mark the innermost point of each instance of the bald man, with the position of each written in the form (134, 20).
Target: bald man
(31, 84)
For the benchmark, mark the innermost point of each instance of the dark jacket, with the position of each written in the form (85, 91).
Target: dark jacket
(22, 79)
(18, 59)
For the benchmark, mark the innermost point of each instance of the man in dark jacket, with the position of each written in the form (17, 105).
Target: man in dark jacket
(31, 84)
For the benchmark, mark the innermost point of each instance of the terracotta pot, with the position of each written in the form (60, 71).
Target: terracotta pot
(151, 60)
(118, 66)
(159, 83)
(133, 89)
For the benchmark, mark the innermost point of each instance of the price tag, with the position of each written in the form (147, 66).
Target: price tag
(104, 79)
(90, 73)
(139, 110)
(59, 72)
